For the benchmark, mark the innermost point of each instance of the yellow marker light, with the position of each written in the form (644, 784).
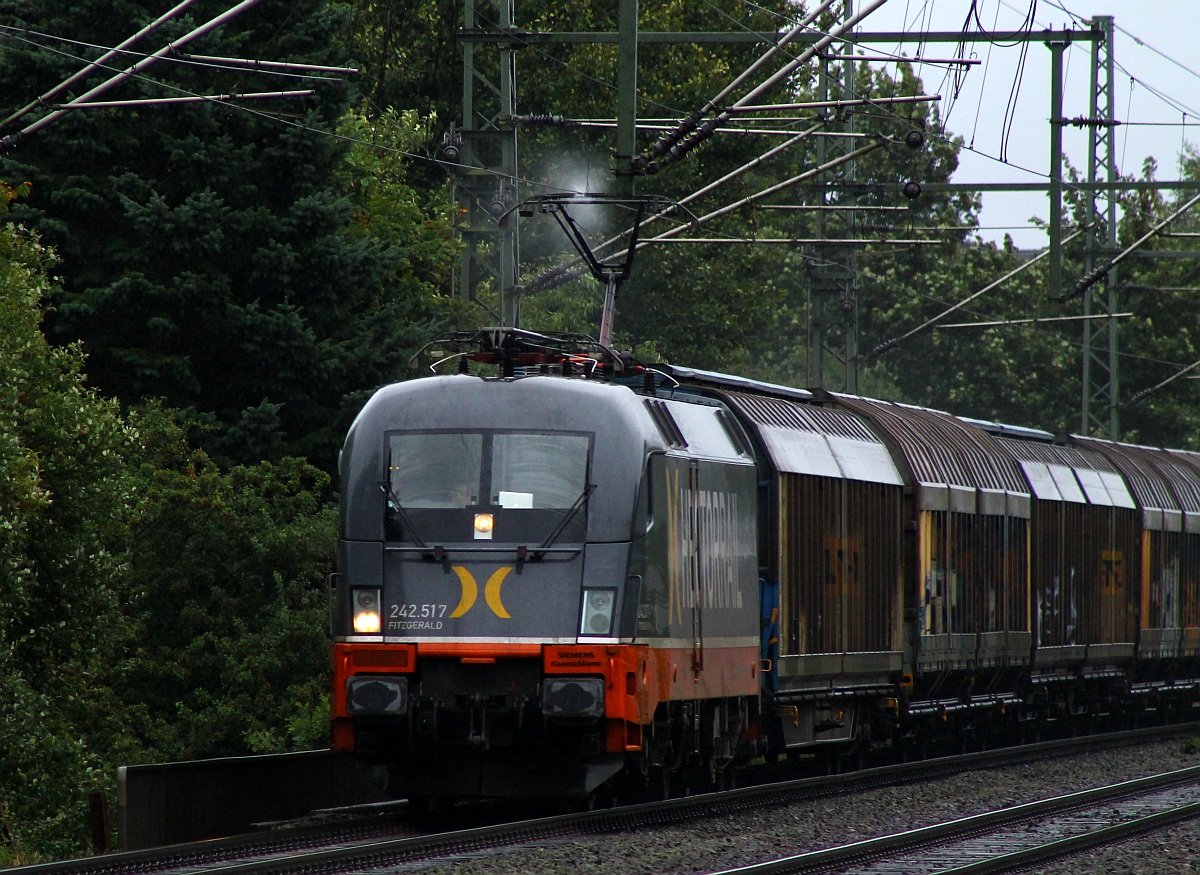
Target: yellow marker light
(483, 525)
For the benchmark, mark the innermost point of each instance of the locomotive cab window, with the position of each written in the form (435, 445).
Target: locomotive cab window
(507, 486)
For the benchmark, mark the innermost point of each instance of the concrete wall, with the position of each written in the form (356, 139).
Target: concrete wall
(172, 803)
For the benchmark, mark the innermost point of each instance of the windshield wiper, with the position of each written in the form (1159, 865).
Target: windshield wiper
(394, 501)
(579, 502)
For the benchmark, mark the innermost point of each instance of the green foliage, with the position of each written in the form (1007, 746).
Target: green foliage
(155, 607)
(987, 372)
(65, 505)
(407, 51)
(214, 256)
(415, 227)
(40, 773)
(228, 570)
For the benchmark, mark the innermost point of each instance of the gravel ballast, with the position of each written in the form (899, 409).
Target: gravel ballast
(715, 843)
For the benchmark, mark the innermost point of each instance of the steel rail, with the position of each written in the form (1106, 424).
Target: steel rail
(351, 827)
(309, 849)
(1051, 850)
(996, 824)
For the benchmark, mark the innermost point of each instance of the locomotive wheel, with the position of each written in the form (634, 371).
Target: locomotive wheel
(660, 783)
(727, 778)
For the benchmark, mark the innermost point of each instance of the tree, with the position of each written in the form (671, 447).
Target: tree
(230, 650)
(1162, 339)
(155, 606)
(65, 504)
(210, 253)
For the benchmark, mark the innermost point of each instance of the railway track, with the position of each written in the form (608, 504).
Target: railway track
(1009, 838)
(364, 843)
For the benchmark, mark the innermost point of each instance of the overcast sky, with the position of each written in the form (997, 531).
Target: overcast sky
(1157, 86)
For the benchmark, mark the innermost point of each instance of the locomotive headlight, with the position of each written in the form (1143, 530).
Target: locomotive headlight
(483, 526)
(596, 616)
(573, 697)
(365, 604)
(377, 694)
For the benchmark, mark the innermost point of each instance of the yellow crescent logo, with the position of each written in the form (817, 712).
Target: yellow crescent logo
(470, 591)
(491, 592)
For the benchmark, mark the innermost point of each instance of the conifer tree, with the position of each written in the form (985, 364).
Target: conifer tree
(209, 253)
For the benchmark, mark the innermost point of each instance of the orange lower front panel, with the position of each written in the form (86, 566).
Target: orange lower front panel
(637, 678)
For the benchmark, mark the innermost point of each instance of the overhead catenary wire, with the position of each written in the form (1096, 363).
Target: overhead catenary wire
(895, 341)
(1103, 270)
(563, 273)
(767, 192)
(692, 132)
(132, 72)
(273, 117)
(285, 69)
(745, 75)
(566, 272)
(802, 241)
(91, 66)
(751, 127)
(268, 66)
(533, 182)
(418, 156)
(1035, 320)
(746, 131)
(213, 23)
(980, 152)
(197, 98)
(1172, 102)
(326, 133)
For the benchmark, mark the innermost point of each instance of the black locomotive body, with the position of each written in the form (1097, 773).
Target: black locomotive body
(553, 584)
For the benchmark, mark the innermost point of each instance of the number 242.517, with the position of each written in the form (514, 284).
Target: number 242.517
(411, 611)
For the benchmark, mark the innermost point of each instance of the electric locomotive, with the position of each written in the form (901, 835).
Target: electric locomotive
(544, 583)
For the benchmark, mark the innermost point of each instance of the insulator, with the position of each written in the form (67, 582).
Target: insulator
(912, 190)
(884, 347)
(539, 118)
(1090, 280)
(669, 141)
(1088, 122)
